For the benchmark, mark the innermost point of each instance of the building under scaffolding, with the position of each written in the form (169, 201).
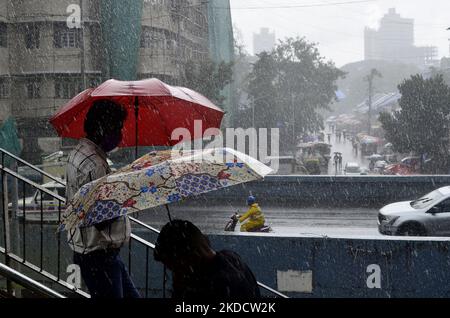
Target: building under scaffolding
(44, 63)
(221, 46)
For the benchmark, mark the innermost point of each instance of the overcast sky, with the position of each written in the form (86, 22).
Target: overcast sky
(337, 28)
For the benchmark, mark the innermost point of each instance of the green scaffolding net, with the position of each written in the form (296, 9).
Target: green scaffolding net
(9, 139)
(121, 29)
(221, 44)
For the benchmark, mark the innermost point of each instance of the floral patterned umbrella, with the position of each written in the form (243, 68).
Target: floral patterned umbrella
(159, 178)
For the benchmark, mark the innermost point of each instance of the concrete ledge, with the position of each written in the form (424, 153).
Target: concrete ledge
(310, 267)
(366, 268)
(329, 191)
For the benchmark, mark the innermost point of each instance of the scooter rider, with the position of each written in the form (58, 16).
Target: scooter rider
(254, 214)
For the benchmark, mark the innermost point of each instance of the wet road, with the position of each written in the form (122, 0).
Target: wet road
(340, 222)
(284, 221)
(344, 146)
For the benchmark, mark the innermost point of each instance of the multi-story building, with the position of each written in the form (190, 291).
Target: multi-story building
(221, 47)
(171, 36)
(263, 41)
(42, 65)
(394, 41)
(44, 62)
(5, 81)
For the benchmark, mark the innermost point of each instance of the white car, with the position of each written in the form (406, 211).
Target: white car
(50, 205)
(427, 216)
(353, 169)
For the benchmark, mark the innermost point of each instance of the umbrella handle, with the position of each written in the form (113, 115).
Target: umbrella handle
(136, 115)
(168, 213)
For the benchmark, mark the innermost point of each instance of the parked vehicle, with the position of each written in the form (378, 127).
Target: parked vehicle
(50, 205)
(287, 165)
(313, 166)
(427, 216)
(411, 161)
(380, 166)
(352, 169)
(398, 169)
(369, 144)
(315, 150)
(407, 166)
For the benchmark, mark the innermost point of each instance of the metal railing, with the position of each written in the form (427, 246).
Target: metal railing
(27, 282)
(24, 261)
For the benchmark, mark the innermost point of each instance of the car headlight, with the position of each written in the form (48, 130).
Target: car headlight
(387, 219)
(391, 219)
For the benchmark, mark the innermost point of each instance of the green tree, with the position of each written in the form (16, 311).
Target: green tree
(208, 78)
(422, 124)
(289, 86)
(263, 92)
(241, 69)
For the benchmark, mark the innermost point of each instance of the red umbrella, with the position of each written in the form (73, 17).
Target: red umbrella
(155, 109)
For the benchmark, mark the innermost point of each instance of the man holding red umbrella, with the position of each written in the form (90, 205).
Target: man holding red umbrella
(96, 248)
(155, 109)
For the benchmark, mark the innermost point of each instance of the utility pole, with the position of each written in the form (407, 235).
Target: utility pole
(253, 115)
(178, 16)
(369, 78)
(448, 29)
(82, 49)
(294, 139)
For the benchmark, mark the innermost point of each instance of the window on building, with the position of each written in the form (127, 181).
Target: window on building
(94, 9)
(32, 35)
(33, 89)
(4, 89)
(146, 38)
(152, 38)
(67, 88)
(160, 42)
(3, 35)
(64, 37)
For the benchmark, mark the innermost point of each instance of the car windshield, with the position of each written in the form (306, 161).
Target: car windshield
(427, 200)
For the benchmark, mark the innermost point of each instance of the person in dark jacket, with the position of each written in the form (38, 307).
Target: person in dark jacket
(198, 271)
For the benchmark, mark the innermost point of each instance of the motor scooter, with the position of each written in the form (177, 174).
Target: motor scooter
(231, 225)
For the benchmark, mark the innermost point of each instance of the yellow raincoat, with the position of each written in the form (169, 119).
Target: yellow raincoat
(255, 216)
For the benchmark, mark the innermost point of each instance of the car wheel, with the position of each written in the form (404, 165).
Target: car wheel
(412, 229)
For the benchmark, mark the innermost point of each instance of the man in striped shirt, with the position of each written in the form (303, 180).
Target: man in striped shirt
(96, 248)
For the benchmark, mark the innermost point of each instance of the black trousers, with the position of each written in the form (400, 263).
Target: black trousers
(105, 274)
